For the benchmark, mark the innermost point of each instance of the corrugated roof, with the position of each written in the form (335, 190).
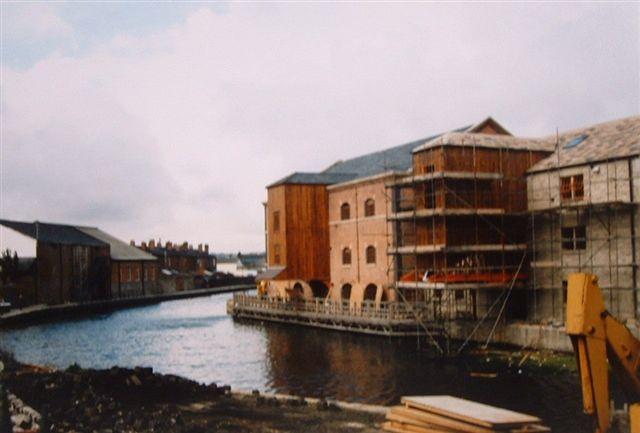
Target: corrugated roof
(53, 233)
(487, 140)
(615, 139)
(119, 250)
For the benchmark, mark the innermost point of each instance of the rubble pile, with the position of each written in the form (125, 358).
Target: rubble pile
(24, 419)
(109, 400)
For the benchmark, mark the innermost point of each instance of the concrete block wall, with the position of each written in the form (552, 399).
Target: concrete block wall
(603, 182)
(608, 254)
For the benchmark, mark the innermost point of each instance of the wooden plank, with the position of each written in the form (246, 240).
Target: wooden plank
(469, 411)
(421, 418)
(398, 427)
(438, 420)
(395, 417)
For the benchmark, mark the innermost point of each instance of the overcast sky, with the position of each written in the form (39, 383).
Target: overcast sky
(168, 120)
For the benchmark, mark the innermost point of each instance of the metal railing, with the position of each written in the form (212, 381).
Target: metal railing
(320, 306)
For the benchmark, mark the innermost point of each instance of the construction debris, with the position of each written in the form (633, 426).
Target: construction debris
(446, 414)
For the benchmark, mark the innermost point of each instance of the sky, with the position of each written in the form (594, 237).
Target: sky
(167, 120)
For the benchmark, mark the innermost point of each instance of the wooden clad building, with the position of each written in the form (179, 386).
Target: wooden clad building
(297, 226)
(460, 221)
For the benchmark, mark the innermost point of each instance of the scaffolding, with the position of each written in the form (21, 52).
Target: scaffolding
(475, 236)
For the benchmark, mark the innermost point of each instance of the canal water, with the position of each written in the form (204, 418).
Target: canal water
(196, 339)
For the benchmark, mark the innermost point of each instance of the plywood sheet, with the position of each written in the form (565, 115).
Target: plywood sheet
(469, 411)
(438, 420)
(398, 427)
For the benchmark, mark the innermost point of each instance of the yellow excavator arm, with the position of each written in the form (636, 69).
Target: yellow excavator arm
(599, 340)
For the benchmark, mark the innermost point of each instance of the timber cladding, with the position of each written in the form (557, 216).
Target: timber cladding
(507, 192)
(298, 231)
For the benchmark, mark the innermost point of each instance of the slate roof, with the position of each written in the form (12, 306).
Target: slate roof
(488, 141)
(120, 250)
(314, 178)
(609, 140)
(397, 158)
(53, 233)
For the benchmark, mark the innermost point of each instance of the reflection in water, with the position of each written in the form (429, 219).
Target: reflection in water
(195, 338)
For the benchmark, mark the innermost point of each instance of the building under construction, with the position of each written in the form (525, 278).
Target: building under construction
(469, 234)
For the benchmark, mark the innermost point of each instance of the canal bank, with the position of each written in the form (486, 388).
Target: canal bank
(196, 339)
(140, 400)
(46, 313)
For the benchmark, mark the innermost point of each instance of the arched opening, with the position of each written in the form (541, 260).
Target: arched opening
(370, 292)
(345, 292)
(371, 254)
(369, 207)
(345, 211)
(346, 256)
(384, 297)
(319, 289)
(297, 292)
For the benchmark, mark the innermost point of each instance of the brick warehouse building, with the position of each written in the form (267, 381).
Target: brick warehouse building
(462, 221)
(328, 233)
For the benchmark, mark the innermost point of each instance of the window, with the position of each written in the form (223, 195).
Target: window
(429, 198)
(276, 221)
(345, 211)
(430, 168)
(369, 207)
(571, 188)
(346, 256)
(371, 254)
(574, 238)
(576, 141)
(276, 254)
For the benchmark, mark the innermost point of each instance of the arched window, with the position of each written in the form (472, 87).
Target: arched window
(369, 207)
(371, 254)
(370, 292)
(345, 293)
(346, 256)
(345, 211)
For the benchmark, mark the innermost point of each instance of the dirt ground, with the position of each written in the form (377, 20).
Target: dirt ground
(139, 400)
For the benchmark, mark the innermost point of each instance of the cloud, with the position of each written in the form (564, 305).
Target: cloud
(33, 21)
(175, 133)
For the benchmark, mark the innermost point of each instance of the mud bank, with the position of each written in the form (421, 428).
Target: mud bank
(139, 400)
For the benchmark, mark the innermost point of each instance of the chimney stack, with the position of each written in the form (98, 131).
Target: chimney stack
(152, 243)
(169, 245)
(199, 248)
(143, 245)
(132, 243)
(206, 248)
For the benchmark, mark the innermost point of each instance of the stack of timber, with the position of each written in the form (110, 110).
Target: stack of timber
(446, 414)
